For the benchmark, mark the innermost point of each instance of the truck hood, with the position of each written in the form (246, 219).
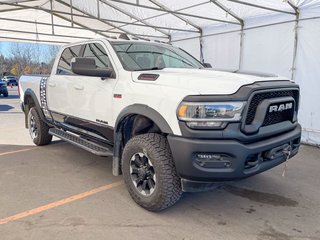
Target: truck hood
(205, 81)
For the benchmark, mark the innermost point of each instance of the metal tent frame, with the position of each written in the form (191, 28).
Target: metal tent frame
(65, 15)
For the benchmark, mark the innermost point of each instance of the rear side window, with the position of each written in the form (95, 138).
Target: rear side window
(97, 51)
(64, 66)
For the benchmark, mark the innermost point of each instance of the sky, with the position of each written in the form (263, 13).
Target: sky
(6, 46)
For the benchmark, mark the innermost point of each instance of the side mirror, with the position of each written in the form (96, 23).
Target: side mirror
(207, 65)
(87, 67)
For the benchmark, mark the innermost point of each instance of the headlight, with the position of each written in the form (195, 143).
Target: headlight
(210, 115)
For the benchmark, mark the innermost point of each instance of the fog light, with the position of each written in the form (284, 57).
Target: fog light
(212, 160)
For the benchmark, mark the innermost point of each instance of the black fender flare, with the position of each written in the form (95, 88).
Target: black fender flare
(30, 93)
(135, 109)
(144, 110)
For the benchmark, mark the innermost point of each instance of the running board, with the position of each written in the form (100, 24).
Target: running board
(81, 142)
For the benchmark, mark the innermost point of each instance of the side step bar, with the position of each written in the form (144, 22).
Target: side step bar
(81, 142)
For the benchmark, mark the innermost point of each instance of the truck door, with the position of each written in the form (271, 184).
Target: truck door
(84, 102)
(92, 96)
(60, 84)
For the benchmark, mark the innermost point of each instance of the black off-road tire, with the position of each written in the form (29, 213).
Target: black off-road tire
(167, 189)
(5, 94)
(42, 137)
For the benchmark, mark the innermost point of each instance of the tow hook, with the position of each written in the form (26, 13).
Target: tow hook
(287, 152)
(279, 151)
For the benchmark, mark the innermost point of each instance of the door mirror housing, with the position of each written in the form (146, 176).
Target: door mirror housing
(87, 67)
(207, 65)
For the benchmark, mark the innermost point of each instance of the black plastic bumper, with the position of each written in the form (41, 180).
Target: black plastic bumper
(209, 160)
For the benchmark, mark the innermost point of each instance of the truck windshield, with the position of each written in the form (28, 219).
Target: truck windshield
(150, 56)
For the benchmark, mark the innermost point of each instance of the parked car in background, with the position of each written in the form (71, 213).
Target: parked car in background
(3, 88)
(10, 80)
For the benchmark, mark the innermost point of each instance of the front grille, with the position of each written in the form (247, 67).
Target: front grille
(274, 117)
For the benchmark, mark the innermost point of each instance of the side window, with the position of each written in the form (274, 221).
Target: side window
(97, 51)
(64, 66)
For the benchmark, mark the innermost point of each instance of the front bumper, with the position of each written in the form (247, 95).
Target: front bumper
(214, 160)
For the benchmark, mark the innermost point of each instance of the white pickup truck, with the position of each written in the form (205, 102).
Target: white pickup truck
(170, 124)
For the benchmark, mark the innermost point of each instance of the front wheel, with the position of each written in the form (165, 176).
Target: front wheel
(149, 172)
(5, 94)
(39, 130)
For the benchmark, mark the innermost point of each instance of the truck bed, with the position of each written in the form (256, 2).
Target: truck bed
(30, 82)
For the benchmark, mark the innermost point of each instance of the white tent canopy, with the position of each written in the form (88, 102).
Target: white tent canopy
(277, 36)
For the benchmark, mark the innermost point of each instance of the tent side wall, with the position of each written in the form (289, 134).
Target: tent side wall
(271, 49)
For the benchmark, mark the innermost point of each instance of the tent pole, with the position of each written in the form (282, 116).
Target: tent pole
(71, 12)
(260, 6)
(249, 28)
(227, 10)
(295, 50)
(296, 38)
(201, 47)
(165, 13)
(164, 8)
(52, 24)
(133, 17)
(240, 20)
(175, 12)
(98, 8)
(241, 46)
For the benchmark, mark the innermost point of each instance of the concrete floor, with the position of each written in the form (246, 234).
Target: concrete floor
(266, 206)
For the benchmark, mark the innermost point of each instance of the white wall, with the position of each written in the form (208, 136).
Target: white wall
(269, 49)
(307, 76)
(192, 46)
(222, 50)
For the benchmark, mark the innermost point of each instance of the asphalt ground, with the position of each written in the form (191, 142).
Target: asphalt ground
(62, 192)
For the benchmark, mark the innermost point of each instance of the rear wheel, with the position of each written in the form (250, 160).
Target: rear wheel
(5, 94)
(39, 130)
(149, 172)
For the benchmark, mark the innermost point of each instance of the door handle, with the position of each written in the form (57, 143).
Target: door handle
(78, 87)
(51, 84)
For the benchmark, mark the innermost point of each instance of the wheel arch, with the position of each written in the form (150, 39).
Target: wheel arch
(30, 100)
(134, 110)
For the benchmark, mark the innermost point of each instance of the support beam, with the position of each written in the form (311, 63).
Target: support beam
(71, 12)
(101, 20)
(165, 13)
(41, 34)
(10, 10)
(109, 21)
(68, 27)
(133, 17)
(295, 8)
(182, 18)
(81, 25)
(104, 20)
(176, 15)
(52, 24)
(57, 25)
(228, 11)
(296, 38)
(177, 12)
(32, 40)
(240, 20)
(241, 47)
(261, 7)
